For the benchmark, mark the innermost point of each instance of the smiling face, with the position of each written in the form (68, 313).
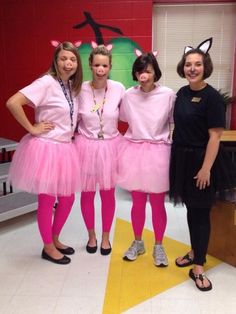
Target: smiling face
(66, 64)
(194, 69)
(100, 67)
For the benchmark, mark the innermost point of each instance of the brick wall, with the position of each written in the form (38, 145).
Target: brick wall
(26, 28)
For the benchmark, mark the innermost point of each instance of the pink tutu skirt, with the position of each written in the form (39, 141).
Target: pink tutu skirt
(144, 166)
(98, 162)
(45, 166)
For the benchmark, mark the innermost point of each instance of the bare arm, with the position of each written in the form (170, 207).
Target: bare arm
(15, 105)
(203, 175)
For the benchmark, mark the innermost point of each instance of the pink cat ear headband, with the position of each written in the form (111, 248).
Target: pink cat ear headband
(138, 52)
(204, 46)
(95, 45)
(56, 43)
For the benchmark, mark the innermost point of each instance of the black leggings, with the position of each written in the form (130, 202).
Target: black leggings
(199, 230)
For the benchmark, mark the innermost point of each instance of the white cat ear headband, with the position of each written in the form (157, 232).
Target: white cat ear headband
(95, 45)
(56, 43)
(204, 46)
(138, 52)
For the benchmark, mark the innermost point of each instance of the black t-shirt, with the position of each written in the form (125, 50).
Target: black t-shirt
(195, 112)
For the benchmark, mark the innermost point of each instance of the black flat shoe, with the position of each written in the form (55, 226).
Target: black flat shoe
(105, 251)
(91, 249)
(67, 251)
(62, 261)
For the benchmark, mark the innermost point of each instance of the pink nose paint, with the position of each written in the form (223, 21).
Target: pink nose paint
(143, 77)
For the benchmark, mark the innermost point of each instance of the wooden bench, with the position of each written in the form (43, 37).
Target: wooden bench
(15, 204)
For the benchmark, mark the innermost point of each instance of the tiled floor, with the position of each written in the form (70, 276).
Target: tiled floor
(31, 285)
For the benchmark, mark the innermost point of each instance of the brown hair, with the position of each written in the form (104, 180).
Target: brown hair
(77, 77)
(207, 63)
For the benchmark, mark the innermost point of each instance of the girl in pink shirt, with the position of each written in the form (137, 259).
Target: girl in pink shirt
(45, 160)
(97, 142)
(144, 156)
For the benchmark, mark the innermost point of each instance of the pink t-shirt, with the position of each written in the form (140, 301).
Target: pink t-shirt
(148, 114)
(50, 104)
(89, 124)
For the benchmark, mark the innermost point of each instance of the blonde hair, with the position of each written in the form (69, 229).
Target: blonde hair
(100, 50)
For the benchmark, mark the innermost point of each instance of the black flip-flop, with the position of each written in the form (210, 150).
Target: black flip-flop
(188, 263)
(201, 277)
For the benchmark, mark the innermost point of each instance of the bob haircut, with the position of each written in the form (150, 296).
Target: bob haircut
(77, 77)
(100, 50)
(207, 63)
(141, 64)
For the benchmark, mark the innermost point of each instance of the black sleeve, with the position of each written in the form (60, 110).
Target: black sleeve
(215, 110)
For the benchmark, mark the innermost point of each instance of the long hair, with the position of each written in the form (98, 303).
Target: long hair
(77, 77)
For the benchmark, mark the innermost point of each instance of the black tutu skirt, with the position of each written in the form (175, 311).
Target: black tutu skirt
(185, 164)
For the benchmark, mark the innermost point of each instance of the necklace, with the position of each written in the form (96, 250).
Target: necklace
(69, 100)
(99, 110)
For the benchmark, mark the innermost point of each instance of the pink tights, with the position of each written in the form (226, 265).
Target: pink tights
(49, 224)
(108, 208)
(138, 213)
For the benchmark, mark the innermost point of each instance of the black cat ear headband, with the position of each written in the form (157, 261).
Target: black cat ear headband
(204, 46)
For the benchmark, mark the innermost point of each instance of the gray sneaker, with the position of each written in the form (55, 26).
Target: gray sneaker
(136, 249)
(159, 255)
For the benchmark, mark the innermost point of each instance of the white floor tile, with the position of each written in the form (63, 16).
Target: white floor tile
(31, 285)
(32, 305)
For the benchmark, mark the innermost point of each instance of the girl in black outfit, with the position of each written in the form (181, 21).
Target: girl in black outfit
(199, 166)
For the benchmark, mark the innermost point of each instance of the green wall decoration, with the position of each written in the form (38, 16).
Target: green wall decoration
(122, 60)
